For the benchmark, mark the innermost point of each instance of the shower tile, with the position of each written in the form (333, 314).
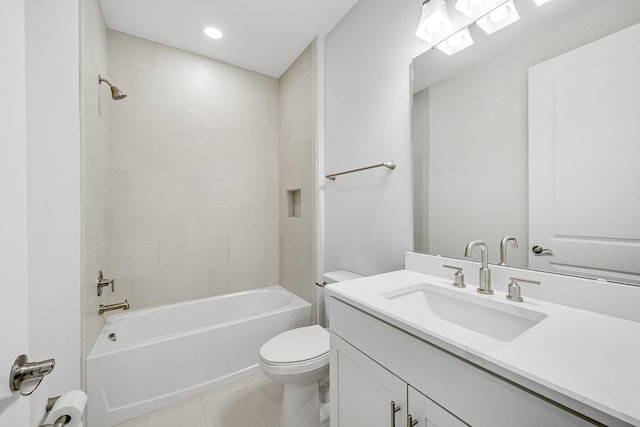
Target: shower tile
(194, 251)
(208, 220)
(95, 232)
(252, 163)
(132, 257)
(162, 187)
(187, 65)
(94, 260)
(132, 49)
(169, 89)
(240, 277)
(254, 247)
(169, 286)
(119, 187)
(140, 118)
(127, 222)
(128, 151)
(248, 219)
(194, 156)
(263, 137)
(215, 129)
(242, 79)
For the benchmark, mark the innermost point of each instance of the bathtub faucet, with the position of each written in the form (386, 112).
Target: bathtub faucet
(110, 307)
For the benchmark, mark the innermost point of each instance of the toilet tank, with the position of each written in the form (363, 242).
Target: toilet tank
(328, 278)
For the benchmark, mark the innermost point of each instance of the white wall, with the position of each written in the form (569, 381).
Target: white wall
(53, 194)
(193, 176)
(14, 410)
(478, 138)
(369, 221)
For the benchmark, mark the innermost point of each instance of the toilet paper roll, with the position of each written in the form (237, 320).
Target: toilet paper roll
(71, 403)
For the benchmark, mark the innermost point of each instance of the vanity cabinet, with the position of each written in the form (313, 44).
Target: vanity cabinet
(374, 364)
(367, 394)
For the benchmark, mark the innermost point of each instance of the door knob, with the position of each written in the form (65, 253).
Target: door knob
(539, 250)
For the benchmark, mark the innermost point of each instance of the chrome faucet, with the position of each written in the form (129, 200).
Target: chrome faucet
(503, 248)
(110, 307)
(485, 275)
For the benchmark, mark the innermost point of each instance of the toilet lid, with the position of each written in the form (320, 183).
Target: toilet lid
(296, 345)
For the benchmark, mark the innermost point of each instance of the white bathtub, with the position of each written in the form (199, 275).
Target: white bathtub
(166, 354)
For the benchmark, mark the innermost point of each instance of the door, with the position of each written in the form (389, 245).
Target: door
(584, 153)
(14, 410)
(363, 393)
(424, 412)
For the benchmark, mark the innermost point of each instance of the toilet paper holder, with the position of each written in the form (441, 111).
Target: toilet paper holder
(23, 370)
(60, 422)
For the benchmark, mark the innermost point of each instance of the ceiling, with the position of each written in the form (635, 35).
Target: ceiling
(262, 36)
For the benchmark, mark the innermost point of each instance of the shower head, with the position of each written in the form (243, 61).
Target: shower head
(116, 93)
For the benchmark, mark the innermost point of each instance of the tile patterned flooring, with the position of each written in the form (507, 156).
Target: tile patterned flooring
(251, 402)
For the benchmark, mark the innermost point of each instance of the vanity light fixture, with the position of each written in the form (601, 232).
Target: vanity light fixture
(456, 42)
(434, 22)
(470, 8)
(212, 33)
(499, 18)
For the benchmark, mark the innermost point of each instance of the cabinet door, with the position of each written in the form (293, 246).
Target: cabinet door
(426, 413)
(363, 393)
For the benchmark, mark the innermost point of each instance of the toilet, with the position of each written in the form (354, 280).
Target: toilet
(299, 359)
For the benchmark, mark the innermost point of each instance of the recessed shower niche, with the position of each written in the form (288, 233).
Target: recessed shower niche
(294, 203)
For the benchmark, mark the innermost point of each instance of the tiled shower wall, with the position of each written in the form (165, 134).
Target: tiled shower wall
(95, 101)
(184, 179)
(193, 176)
(297, 172)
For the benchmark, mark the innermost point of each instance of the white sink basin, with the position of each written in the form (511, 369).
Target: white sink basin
(501, 321)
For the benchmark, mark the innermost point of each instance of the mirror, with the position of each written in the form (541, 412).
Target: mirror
(471, 129)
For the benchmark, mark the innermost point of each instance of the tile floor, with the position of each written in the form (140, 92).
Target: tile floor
(252, 402)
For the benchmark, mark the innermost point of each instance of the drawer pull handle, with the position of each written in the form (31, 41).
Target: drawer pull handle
(410, 421)
(394, 409)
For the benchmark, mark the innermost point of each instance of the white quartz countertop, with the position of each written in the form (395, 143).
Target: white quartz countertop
(586, 361)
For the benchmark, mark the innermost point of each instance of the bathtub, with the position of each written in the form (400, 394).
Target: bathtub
(146, 359)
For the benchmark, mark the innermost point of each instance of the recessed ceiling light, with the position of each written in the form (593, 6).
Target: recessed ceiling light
(212, 32)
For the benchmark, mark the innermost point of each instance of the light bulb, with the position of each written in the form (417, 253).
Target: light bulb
(455, 40)
(213, 32)
(499, 15)
(433, 25)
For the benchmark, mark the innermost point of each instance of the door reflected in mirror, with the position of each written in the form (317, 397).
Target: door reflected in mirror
(472, 130)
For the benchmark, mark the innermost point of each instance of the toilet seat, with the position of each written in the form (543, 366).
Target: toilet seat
(296, 351)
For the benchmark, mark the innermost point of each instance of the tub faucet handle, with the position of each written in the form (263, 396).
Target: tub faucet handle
(102, 282)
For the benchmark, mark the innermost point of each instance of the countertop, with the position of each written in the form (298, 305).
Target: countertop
(586, 361)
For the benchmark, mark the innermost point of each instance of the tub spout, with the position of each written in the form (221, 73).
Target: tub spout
(110, 307)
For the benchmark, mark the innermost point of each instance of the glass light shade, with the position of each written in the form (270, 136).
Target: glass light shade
(456, 42)
(471, 8)
(499, 18)
(434, 22)
(541, 2)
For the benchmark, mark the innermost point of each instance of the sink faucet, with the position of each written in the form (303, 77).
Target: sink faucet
(485, 274)
(503, 248)
(110, 307)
